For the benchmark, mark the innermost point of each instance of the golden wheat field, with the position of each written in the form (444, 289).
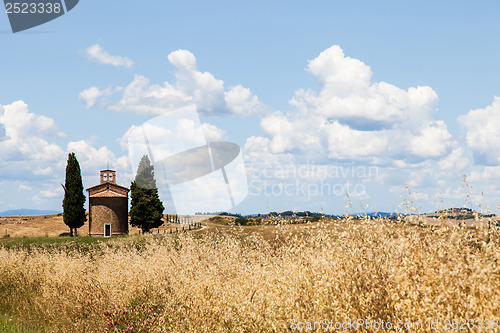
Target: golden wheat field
(336, 275)
(53, 226)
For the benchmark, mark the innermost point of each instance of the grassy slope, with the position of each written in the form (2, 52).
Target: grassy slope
(9, 325)
(11, 242)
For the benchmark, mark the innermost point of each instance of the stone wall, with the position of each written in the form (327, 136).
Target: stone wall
(112, 211)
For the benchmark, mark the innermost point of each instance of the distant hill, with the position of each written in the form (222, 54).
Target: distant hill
(376, 214)
(28, 212)
(459, 213)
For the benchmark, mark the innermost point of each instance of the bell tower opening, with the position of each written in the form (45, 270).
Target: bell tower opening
(108, 176)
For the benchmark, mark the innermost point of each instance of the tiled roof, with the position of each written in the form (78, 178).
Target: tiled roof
(107, 184)
(108, 190)
(108, 194)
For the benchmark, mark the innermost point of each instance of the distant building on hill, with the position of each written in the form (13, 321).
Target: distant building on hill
(108, 207)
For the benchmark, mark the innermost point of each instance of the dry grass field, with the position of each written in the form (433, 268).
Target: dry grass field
(53, 225)
(261, 279)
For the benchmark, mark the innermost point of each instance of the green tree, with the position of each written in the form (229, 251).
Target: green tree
(74, 198)
(240, 220)
(146, 211)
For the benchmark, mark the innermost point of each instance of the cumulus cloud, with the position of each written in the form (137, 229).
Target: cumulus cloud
(169, 134)
(89, 96)
(3, 133)
(55, 192)
(97, 53)
(206, 91)
(241, 101)
(342, 74)
(455, 161)
(91, 158)
(142, 98)
(25, 141)
(27, 152)
(352, 117)
(213, 133)
(483, 133)
(432, 141)
(18, 122)
(352, 121)
(288, 134)
(350, 96)
(348, 143)
(191, 86)
(35, 165)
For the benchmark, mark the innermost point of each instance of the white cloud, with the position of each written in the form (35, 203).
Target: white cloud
(338, 72)
(93, 159)
(207, 92)
(348, 95)
(142, 98)
(347, 143)
(89, 96)
(455, 161)
(191, 87)
(432, 141)
(3, 133)
(32, 166)
(25, 148)
(354, 118)
(281, 131)
(213, 133)
(97, 53)
(47, 171)
(350, 119)
(19, 122)
(241, 101)
(169, 134)
(289, 134)
(90, 158)
(56, 192)
(483, 133)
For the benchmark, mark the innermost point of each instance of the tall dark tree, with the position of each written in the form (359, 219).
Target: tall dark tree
(146, 211)
(74, 198)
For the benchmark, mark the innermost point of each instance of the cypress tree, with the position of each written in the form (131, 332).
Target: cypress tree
(74, 198)
(146, 211)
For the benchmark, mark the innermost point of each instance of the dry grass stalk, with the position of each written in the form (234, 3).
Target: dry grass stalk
(230, 282)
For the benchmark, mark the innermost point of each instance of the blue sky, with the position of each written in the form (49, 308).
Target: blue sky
(359, 93)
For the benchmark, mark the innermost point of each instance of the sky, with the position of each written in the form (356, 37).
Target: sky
(337, 106)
